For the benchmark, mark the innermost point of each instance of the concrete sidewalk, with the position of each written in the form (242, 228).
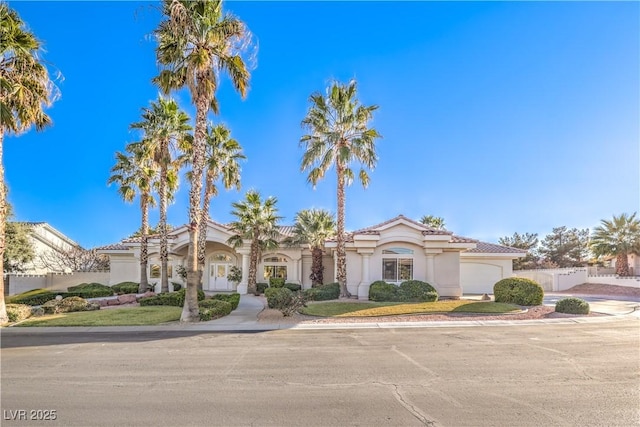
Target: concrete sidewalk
(245, 319)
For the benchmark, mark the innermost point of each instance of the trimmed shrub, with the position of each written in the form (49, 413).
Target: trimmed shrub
(323, 292)
(90, 290)
(33, 297)
(518, 290)
(572, 306)
(261, 287)
(277, 297)
(233, 299)
(292, 287)
(175, 299)
(284, 300)
(417, 291)
(18, 312)
(276, 282)
(176, 286)
(383, 291)
(68, 305)
(213, 309)
(124, 288)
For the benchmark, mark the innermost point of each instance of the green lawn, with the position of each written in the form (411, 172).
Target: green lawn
(370, 309)
(136, 316)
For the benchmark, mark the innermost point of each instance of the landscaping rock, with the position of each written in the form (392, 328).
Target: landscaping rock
(127, 299)
(113, 302)
(485, 297)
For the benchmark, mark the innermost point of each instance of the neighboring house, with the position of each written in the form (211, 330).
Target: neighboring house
(45, 239)
(396, 250)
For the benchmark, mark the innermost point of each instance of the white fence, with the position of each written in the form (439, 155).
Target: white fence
(18, 283)
(560, 279)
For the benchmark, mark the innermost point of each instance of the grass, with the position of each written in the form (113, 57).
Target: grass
(111, 317)
(9, 300)
(371, 309)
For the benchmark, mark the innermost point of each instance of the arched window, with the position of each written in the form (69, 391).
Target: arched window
(275, 266)
(222, 258)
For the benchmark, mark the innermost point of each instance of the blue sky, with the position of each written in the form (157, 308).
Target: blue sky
(499, 117)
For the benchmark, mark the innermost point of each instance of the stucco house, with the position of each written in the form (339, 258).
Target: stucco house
(396, 250)
(44, 240)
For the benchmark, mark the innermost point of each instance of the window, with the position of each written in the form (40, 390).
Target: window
(275, 259)
(279, 271)
(154, 271)
(222, 258)
(397, 268)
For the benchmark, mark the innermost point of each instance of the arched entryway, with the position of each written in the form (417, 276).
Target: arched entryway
(219, 267)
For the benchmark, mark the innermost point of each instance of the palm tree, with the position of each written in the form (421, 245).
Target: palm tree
(339, 135)
(256, 221)
(135, 175)
(313, 227)
(222, 154)
(25, 91)
(618, 237)
(195, 42)
(164, 126)
(436, 222)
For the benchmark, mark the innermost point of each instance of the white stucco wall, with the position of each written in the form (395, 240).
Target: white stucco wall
(124, 268)
(447, 274)
(478, 275)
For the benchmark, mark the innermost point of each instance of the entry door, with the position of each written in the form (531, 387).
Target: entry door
(218, 277)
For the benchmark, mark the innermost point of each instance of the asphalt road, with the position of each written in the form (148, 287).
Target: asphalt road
(539, 375)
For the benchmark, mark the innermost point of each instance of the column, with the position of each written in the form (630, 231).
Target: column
(365, 281)
(294, 278)
(335, 266)
(242, 286)
(431, 269)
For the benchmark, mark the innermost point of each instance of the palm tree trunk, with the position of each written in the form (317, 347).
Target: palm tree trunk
(342, 257)
(317, 270)
(190, 310)
(253, 266)
(164, 253)
(144, 253)
(202, 232)
(622, 264)
(3, 218)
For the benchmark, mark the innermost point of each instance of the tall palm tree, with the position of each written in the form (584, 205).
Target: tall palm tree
(25, 91)
(256, 221)
(196, 41)
(164, 126)
(313, 227)
(135, 175)
(222, 156)
(618, 237)
(436, 222)
(339, 135)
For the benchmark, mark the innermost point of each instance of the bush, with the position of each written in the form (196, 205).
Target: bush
(175, 299)
(213, 309)
(276, 282)
(33, 297)
(277, 297)
(89, 290)
(126, 288)
(285, 300)
(417, 291)
(572, 306)
(383, 291)
(292, 287)
(323, 292)
(18, 312)
(176, 286)
(261, 287)
(68, 305)
(233, 299)
(518, 290)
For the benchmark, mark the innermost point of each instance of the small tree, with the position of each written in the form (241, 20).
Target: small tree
(74, 259)
(19, 250)
(566, 247)
(526, 241)
(618, 237)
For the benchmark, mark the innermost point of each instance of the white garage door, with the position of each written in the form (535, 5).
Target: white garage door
(476, 278)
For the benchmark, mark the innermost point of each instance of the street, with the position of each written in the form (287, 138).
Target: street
(533, 375)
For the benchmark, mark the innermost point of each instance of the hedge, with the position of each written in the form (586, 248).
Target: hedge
(408, 291)
(323, 292)
(175, 299)
(233, 299)
(276, 282)
(89, 290)
(213, 309)
(126, 288)
(292, 287)
(69, 304)
(572, 306)
(261, 287)
(285, 300)
(33, 297)
(518, 290)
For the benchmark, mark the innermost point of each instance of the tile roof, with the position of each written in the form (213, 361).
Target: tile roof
(426, 230)
(460, 239)
(113, 247)
(492, 248)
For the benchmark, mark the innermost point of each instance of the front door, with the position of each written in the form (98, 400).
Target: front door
(218, 277)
